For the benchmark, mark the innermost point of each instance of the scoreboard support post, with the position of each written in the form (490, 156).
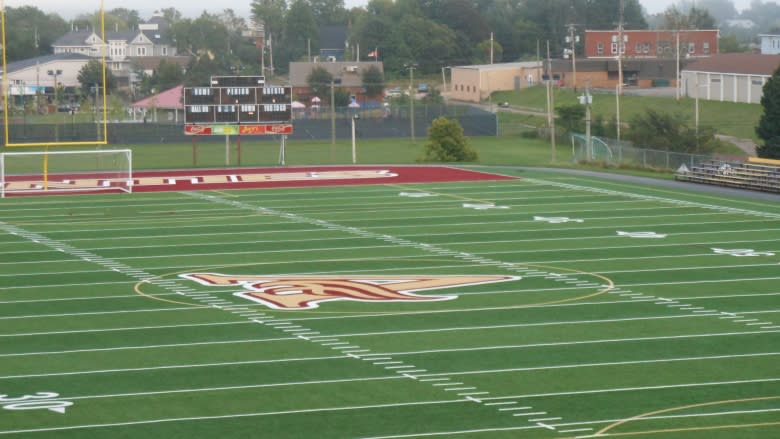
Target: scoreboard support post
(282, 150)
(227, 150)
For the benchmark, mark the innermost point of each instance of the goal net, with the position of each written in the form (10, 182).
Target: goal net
(66, 171)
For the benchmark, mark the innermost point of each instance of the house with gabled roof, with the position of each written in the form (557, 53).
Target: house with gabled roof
(151, 39)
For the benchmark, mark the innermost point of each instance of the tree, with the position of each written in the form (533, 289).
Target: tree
(30, 32)
(695, 19)
(670, 132)
(730, 44)
(373, 81)
(91, 75)
(482, 53)
(446, 142)
(319, 80)
(300, 29)
(768, 128)
(328, 11)
(721, 10)
(570, 117)
(271, 14)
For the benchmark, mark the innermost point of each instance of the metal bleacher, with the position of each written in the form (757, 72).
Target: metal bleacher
(755, 174)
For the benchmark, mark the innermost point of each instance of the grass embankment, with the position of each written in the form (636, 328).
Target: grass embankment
(728, 118)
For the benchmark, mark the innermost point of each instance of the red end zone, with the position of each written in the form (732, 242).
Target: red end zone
(249, 178)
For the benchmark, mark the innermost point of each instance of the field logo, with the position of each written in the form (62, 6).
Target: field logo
(307, 291)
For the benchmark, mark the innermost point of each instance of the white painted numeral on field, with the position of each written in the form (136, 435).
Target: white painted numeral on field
(483, 206)
(416, 194)
(740, 252)
(40, 400)
(557, 219)
(641, 234)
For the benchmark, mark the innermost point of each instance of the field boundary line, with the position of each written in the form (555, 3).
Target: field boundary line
(664, 200)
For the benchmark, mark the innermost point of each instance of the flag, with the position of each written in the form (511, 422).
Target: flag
(373, 54)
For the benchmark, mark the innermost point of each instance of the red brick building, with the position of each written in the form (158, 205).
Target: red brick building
(651, 43)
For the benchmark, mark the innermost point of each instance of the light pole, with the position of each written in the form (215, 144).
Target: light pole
(572, 39)
(332, 112)
(55, 73)
(354, 145)
(696, 111)
(411, 68)
(587, 100)
(444, 78)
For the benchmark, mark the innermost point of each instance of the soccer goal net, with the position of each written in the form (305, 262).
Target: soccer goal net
(66, 171)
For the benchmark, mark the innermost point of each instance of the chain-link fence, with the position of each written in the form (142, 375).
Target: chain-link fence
(615, 153)
(312, 124)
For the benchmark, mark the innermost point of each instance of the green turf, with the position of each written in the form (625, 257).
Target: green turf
(647, 337)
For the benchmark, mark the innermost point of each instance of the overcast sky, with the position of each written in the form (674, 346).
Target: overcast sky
(193, 8)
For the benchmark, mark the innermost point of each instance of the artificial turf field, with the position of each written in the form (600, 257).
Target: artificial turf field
(610, 309)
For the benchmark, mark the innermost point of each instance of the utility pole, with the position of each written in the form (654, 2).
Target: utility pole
(621, 48)
(572, 39)
(588, 140)
(411, 68)
(550, 102)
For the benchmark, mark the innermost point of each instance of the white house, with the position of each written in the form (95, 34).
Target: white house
(770, 44)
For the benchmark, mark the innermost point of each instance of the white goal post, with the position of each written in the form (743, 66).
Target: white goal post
(41, 172)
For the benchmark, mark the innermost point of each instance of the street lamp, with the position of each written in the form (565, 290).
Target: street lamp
(411, 68)
(355, 117)
(587, 100)
(55, 73)
(573, 39)
(696, 115)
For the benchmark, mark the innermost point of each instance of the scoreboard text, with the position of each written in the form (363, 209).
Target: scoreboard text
(238, 100)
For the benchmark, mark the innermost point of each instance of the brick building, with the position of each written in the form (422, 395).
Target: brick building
(651, 43)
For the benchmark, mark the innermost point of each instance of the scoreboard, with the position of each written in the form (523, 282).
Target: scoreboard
(243, 101)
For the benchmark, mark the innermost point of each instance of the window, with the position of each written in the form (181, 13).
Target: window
(756, 82)
(691, 47)
(614, 48)
(706, 48)
(646, 48)
(141, 51)
(600, 48)
(164, 51)
(638, 47)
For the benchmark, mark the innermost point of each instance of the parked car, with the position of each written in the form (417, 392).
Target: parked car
(503, 104)
(394, 92)
(422, 88)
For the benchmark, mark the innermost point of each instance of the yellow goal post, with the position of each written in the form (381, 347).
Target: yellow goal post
(102, 135)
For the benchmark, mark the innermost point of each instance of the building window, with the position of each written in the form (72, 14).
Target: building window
(164, 51)
(756, 82)
(646, 48)
(600, 48)
(638, 47)
(614, 48)
(706, 48)
(691, 48)
(141, 51)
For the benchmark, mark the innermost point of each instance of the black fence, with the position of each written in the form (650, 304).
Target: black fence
(383, 122)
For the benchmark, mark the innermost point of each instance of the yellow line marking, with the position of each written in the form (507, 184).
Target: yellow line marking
(137, 289)
(674, 409)
(679, 430)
